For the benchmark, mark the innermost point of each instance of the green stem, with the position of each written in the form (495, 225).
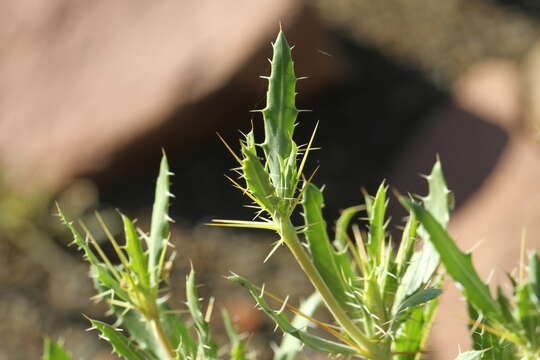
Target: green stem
(162, 339)
(288, 233)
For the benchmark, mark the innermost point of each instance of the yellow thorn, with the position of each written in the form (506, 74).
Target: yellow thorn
(230, 149)
(304, 158)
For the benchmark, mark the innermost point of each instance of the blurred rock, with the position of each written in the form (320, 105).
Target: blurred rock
(79, 81)
(442, 38)
(531, 77)
(491, 89)
(492, 164)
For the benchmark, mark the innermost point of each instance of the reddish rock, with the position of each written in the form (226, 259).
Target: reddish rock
(492, 164)
(79, 81)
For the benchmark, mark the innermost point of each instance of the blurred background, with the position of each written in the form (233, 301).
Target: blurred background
(90, 92)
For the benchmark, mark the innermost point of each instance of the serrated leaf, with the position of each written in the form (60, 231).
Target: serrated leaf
(290, 345)
(207, 346)
(54, 351)
(159, 228)
(424, 263)
(78, 240)
(280, 112)
(406, 246)
(491, 345)
(458, 264)
(119, 342)
(138, 261)
(283, 323)
(322, 253)
(375, 244)
(257, 178)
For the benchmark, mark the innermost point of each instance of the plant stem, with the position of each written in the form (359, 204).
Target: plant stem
(162, 338)
(288, 233)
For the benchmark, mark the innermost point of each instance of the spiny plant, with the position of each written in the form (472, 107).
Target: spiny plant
(136, 292)
(382, 300)
(501, 329)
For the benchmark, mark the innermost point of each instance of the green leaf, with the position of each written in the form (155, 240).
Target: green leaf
(377, 226)
(418, 298)
(104, 281)
(534, 274)
(342, 224)
(176, 330)
(290, 345)
(528, 313)
(137, 258)
(424, 263)
(457, 263)
(141, 332)
(257, 178)
(406, 246)
(414, 330)
(280, 114)
(119, 342)
(492, 346)
(78, 239)
(207, 346)
(238, 349)
(322, 253)
(159, 229)
(506, 310)
(54, 351)
(312, 341)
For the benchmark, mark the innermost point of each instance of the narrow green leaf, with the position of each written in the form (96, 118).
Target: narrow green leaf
(290, 346)
(207, 346)
(78, 240)
(377, 226)
(528, 313)
(534, 274)
(418, 298)
(54, 351)
(414, 330)
(257, 178)
(176, 330)
(342, 224)
(457, 263)
(119, 342)
(104, 281)
(406, 246)
(280, 112)
(159, 229)
(312, 341)
(137, 258)
(506, 309)
(238, 349)
(424, 263)
(322, 253)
